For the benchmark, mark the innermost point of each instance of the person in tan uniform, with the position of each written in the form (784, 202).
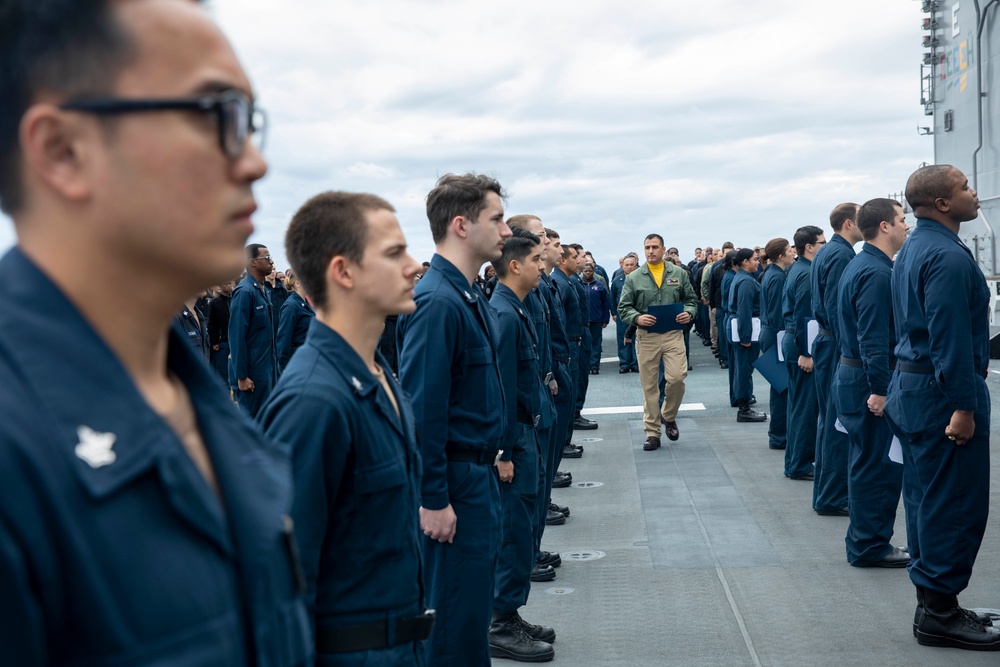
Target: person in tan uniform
(658, 283)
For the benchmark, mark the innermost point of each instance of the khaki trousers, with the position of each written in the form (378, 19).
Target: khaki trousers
(650, 348)
(715, 328)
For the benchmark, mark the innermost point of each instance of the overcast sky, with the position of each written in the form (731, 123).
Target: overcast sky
(702, 121)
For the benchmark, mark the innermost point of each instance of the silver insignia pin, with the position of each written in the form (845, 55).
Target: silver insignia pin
(95, 448)
(356, 382)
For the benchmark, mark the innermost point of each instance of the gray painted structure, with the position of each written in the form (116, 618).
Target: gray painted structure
(960, 81)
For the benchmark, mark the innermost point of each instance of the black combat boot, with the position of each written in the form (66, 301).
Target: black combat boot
(536, 632)
(508, 639)
(747, 415)
(943, 623)
(982, 619)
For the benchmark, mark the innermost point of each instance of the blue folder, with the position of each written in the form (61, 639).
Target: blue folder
(666, 317)
(774, 371)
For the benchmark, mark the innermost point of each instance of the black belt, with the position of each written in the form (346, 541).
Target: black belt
(527, 419)
(826, 332)
(923, 369)
(371, 636)
(856, 363)
(576, 339)
(485, 456)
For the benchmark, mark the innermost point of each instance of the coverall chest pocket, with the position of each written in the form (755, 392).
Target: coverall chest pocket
(382, 509)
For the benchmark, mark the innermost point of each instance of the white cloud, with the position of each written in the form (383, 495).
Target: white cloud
(710, 121)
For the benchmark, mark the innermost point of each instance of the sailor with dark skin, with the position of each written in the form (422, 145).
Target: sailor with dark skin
(251, 333)
(939, 405)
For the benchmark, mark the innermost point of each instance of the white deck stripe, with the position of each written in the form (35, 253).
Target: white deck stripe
(685, 407)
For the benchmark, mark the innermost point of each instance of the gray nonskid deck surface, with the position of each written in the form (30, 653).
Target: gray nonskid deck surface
(712, 556)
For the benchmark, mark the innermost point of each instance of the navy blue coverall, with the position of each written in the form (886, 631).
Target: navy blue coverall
(448, 366)
(940, 303)
(772, 287)
(566, 398)
(586, 344)
(796, 306)
(294, 319)
(599, 315)
(830, 486)
(252, 350)
(626, 353)
(356, 473)
(113, 547)
(744, 305)
(866, 337)
(517, 356)
(539, 307)
(723, 317)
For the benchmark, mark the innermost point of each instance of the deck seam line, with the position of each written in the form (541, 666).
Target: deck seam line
(747, 640)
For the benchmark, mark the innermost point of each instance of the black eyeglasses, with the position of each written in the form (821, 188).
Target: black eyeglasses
(238, 119)
(264, 257)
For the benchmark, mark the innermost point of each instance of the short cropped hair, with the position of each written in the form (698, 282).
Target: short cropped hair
(728, 245)
(456, 195)
(566, 249)
(551, 233)
(516, 247)
(521, 220)
(331, 224)
(775, 248)
(68, 48)
(805, 236)
(873, 212)
(841, 214)
(653, 236)
(253, 250)
(927, 184)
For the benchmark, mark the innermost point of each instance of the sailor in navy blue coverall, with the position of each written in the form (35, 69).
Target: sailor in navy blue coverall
(541, 306)
(796, 309)
(830, 486)
(724, 316)
(252, 350)
(939, 403)
(867, 337)
(295, 317)
(204, 578)
(626, 351)
(448, 366)
(519, 268)
(566, 399)
(340, 417)
(143, 520)
(772, 287)
(744, 306)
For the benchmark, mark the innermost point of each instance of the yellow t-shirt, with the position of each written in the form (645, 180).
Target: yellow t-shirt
(656, 270)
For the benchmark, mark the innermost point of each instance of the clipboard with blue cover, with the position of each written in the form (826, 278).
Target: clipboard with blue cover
(774, 371)
(666, 317)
